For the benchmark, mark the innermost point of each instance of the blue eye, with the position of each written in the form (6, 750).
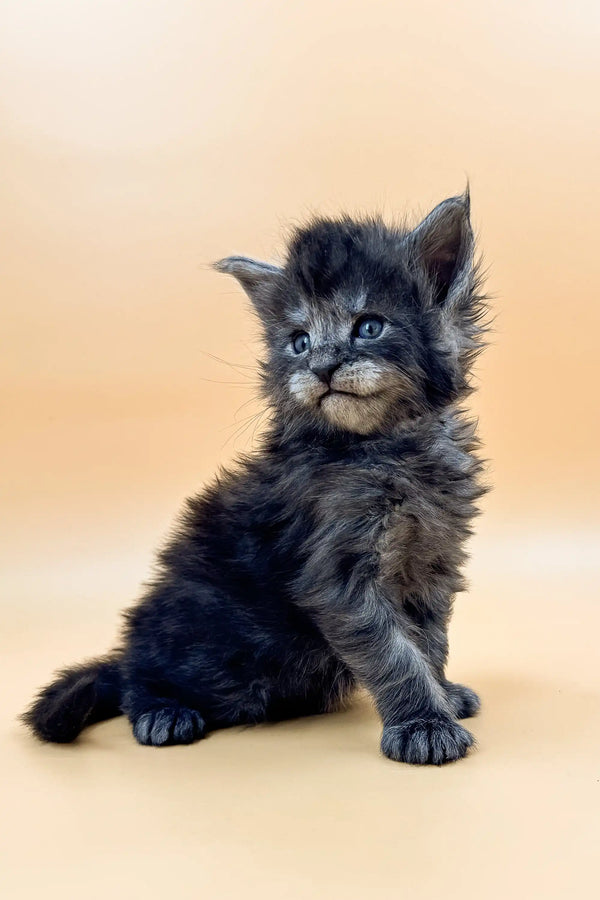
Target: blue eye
(301, 342)
(368, 327)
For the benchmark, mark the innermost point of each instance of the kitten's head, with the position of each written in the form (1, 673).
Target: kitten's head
(366, 324)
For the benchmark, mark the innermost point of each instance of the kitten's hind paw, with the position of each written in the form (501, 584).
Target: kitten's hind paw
(169, 725)
(464, 701)
(432, 741)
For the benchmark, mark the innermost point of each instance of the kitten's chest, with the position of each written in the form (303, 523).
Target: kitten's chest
(378, 487)
(405, 516)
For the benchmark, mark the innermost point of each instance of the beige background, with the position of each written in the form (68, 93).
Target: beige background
(140, 141)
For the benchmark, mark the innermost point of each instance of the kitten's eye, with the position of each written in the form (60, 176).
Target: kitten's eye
(301, 343)
(368, 327)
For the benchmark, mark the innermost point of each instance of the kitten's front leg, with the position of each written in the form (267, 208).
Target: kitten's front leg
(463, 699)
(432, 622)
(418, 723)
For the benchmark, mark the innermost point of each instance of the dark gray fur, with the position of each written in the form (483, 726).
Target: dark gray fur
(331, 556)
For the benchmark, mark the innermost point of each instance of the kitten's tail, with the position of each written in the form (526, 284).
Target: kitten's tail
(79, 696)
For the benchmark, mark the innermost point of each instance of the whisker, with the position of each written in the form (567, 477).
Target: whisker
(246, 424)
(253, 399)
(230, 364)
(240, 422)
(217, 381)
(257, 425)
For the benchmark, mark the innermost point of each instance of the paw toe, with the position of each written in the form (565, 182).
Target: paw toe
(432, 741)
(162, 727)
(142, 727)
(188, 727)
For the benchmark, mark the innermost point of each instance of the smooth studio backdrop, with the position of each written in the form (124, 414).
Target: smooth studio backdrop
(139, 142)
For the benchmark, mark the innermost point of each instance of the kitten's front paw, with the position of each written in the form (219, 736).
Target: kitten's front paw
(432, 741)
(169, 725)
(464, 701)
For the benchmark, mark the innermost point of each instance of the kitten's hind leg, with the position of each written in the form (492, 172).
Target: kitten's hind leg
(328, 691)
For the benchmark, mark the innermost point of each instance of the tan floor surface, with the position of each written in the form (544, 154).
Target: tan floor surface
(308, 809)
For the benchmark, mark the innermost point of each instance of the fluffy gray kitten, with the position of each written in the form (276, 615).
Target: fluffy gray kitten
(332, 555)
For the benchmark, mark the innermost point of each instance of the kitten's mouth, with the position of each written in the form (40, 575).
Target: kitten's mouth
(334, 392)
(337, 392)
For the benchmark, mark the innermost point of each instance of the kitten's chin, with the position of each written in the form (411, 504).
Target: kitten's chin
(350, 412)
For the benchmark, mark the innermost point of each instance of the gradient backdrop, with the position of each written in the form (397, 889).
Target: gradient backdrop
(140, 141)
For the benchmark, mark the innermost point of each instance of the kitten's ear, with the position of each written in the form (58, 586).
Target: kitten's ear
(257, 278)
(442, 245)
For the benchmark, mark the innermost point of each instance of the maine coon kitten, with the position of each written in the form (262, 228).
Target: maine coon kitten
(332, 555)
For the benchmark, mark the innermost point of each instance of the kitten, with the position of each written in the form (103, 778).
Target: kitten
(330, 557)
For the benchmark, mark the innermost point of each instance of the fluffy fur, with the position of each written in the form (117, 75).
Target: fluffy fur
(331, 556)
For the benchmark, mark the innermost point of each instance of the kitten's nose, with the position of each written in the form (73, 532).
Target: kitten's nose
(324, 371)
